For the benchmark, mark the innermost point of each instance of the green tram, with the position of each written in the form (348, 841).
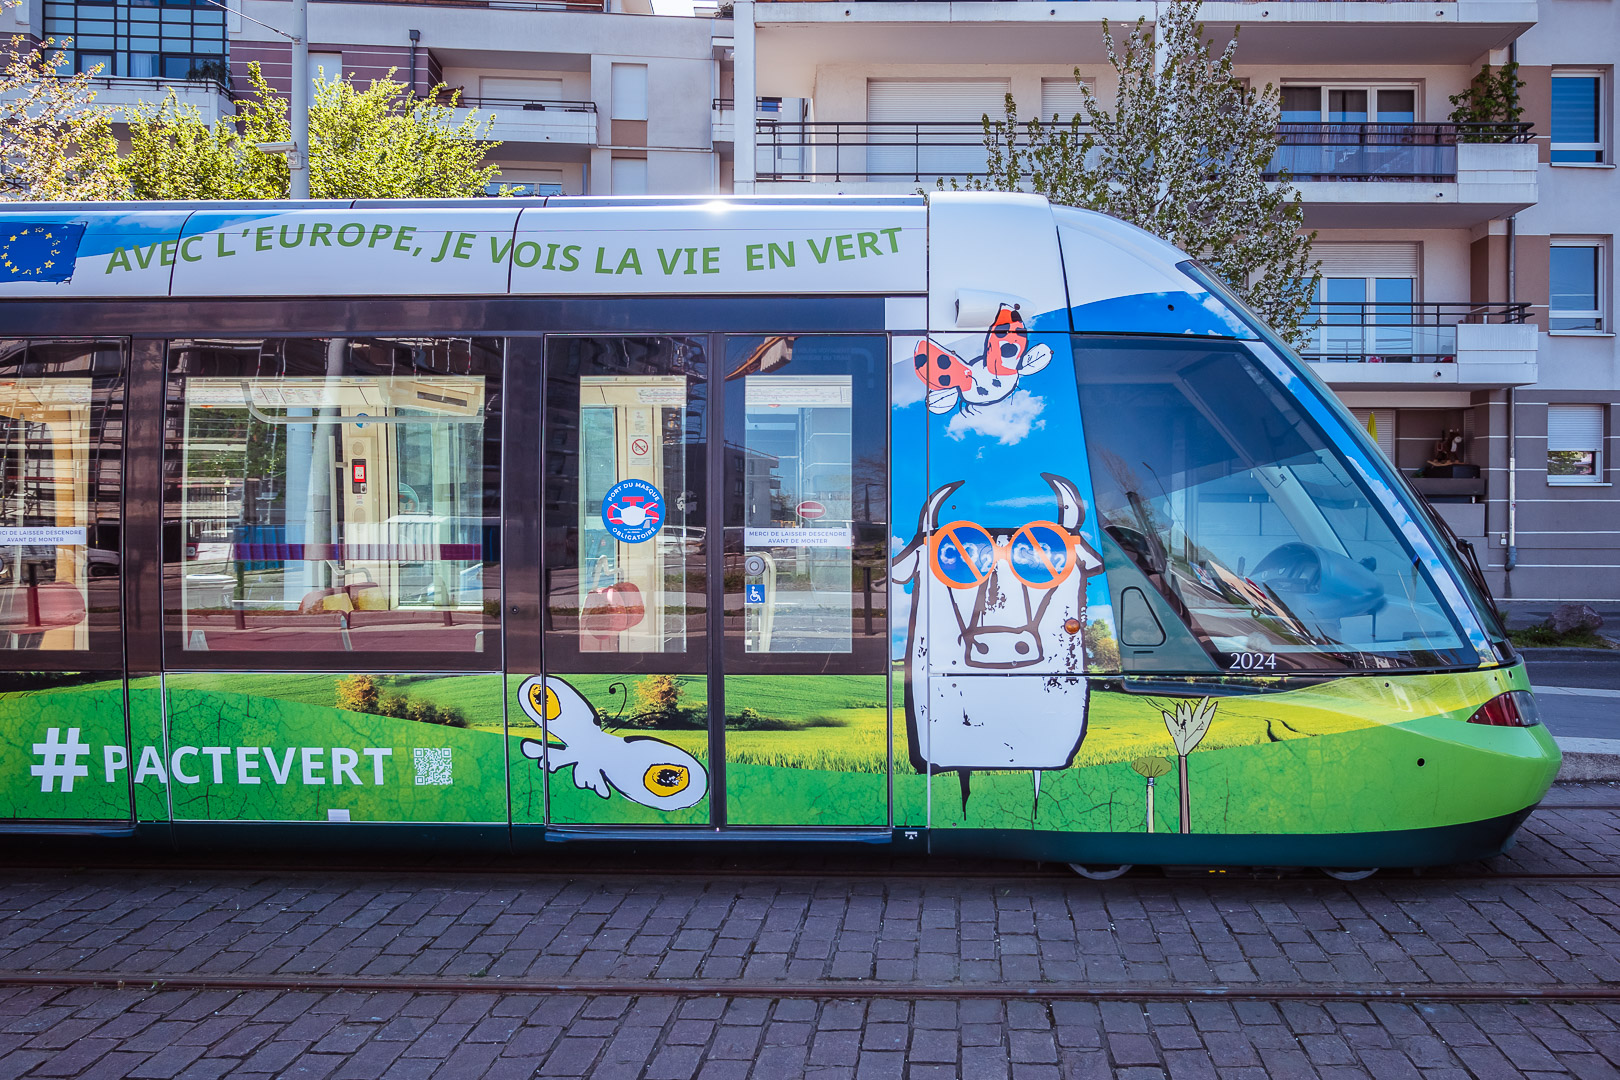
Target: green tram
(972, 524)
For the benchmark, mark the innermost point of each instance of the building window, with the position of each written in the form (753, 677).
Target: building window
(1574, 444)
(629, 176)
(1575, 270)
(1349, 104)
(629, 88)
(1577, 117)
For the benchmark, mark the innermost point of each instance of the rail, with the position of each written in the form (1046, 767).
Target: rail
(1397, 333)
(1411, 152)
(162, 86)
(834, 151)
(526, 105)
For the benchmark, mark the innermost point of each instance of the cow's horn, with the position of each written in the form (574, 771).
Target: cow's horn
(1071, 507)
(929, 519)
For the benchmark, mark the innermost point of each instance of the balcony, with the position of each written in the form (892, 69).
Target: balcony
(863, 155)
(533, 125)
(1427, 175)
(1453, 346)
(1411, 152)
(1432, 175)
(212, 99)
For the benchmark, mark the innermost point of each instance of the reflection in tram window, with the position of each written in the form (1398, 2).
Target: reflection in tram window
(806, 453)
(58, 539)
(1217, 497)
(624, 497)
(339, 511)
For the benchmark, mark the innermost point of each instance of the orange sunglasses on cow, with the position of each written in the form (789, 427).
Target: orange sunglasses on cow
(1041, 554)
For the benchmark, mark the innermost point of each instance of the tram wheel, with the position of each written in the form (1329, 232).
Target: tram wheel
(1100, 872)
(1338, 874)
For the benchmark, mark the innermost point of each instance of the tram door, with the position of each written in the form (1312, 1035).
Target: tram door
(625, 584)
(687, 476)
(64, 743)
(805, 660)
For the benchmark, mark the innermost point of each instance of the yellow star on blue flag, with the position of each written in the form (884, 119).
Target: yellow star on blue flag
(38, 250)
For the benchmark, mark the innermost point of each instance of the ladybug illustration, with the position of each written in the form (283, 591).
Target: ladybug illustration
(989, 377)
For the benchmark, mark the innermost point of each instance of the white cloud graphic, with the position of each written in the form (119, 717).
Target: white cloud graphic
(1008, 422)
(1023, 501)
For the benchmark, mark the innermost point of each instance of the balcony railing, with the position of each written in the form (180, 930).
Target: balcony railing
(836, 151)
(527, 106)
(840, 151)
(1411, 152)
(153, 89)
(1387, 333)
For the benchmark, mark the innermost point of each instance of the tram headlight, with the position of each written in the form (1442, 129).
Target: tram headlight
(1516, 708)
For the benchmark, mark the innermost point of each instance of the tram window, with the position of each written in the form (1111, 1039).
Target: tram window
(334, 495)
(623, 491)
(1241, 515)
(806, 513)
(59, 536)
(60, 469)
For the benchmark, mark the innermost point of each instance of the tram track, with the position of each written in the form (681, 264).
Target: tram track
(828, 990)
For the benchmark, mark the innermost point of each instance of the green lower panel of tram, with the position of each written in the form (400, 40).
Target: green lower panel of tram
(807, 750)
(63, 747)
(1354, 755)
(1349, 756)
(322, 747)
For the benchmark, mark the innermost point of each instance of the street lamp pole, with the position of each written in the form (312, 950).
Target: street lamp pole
(298, 159)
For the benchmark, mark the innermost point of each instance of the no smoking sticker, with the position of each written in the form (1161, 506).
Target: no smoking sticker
(633, 511)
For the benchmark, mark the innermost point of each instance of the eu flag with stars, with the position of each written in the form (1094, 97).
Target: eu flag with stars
(38, 251)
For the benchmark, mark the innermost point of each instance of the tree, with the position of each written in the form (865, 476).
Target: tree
(381, 142)
(1151, 768)
(1184, 154)
(54, 143)
(1187, 725)
(658, 700)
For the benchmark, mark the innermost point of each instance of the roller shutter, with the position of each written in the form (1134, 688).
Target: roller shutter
(1574, 427)
(901, 152)
(1061, 98)
(1367, 260)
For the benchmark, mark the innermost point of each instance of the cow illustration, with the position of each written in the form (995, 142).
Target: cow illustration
(641, 768)
(989, 377)
(995, 649)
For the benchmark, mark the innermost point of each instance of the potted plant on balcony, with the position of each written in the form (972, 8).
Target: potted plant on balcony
(1489, 110)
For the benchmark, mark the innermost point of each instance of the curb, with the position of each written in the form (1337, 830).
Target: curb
(1568, 653)
(1589, 759)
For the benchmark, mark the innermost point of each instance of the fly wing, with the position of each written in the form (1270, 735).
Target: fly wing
(1005, 342)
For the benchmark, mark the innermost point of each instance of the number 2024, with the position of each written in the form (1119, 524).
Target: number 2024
(1254, 661)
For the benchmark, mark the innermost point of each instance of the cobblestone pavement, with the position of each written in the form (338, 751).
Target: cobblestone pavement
(898, 948)
(95, 1034)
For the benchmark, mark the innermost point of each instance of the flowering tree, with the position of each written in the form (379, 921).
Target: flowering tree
(54, 143)
(1184, 154)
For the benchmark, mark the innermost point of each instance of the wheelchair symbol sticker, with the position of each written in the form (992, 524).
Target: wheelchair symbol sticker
(633, 511)
(755, 595)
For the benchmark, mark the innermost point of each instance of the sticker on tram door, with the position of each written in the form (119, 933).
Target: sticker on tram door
(633, 511)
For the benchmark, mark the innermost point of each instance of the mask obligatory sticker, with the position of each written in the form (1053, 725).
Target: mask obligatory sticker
(633, 511)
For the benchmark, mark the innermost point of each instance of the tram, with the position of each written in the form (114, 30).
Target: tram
(970, 524)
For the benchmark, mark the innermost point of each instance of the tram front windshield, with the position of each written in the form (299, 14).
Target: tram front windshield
(1219, 496)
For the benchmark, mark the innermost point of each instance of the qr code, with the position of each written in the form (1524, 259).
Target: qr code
(432, 766)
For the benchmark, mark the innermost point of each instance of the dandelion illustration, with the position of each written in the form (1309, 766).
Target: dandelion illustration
(1188, 725)
(1152, 768)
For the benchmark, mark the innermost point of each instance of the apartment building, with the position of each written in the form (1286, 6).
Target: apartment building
(1467, 291)
(587, 96)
